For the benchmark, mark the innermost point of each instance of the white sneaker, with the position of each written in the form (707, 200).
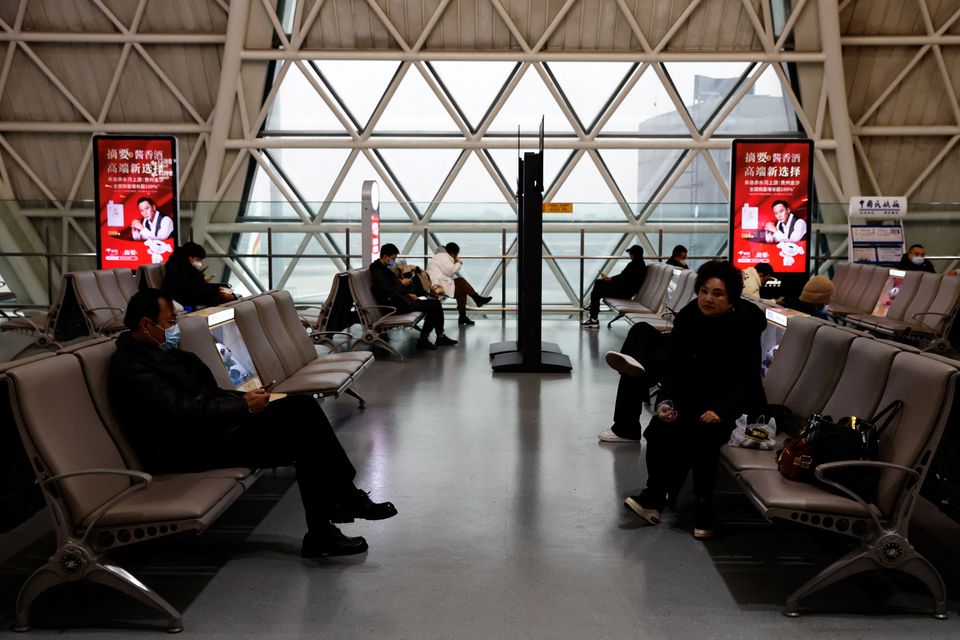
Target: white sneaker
(624, 364)
(590, 323)
(607, 435)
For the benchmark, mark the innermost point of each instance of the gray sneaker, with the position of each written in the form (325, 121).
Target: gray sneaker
(590, 323)
(607, 435)
(622, 363)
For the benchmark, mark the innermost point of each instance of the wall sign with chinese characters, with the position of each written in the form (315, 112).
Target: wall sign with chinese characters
(876, 229)
(138, 216)
(771, 189)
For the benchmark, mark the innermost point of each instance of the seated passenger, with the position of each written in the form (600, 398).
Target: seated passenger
(391, 291)
(709, 369)
(813, 300)
(184, 281)
(678, 257)
(624, 285)
(754, 278)
(915, 259)
(179, 420)
(444, 270)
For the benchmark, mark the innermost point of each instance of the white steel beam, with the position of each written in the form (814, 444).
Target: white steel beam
(77, 37)
(504, 142)
(265, 55)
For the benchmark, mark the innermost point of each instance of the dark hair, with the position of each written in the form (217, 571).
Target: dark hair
(389, 250)
(728, 274)
(635, 250)
(146, 199)
(677, 250)
(144, 304)
(193, 250)
(916, 246)
(783, 202)
(764, 269)
(452, 248)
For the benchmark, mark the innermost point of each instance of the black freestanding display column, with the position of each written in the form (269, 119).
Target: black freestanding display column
(529, 354)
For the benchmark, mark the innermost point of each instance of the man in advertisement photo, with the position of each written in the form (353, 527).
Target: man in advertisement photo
(788, 228)
(155, 225)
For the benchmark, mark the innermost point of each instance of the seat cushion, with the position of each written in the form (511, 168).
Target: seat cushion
(775, 492)
(742, 459)
(623, 305)
(397, 320)
(185, 496)
(313, 382)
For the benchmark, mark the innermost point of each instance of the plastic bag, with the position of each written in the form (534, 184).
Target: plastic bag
(754, 435)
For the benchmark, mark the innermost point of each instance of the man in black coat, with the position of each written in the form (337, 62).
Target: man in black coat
(624, 285)
(179, 420)
(915, 259)
(391, 291)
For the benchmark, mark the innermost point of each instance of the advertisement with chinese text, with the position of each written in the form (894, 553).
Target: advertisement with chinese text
(136, 200)
(770, 199)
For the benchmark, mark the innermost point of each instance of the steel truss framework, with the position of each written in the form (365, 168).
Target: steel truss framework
(232, 136)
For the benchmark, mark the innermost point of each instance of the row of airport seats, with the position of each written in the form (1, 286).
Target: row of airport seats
(95, 488)
(88, 303)
(280, 348)
(376, 319)
(831, 370)
(665, 290)
(922, 312)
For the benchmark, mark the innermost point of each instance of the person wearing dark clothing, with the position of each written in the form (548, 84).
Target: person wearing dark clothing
(915, 259)
(184, 281)
(389, 290)
(179, 420)
(678, 257)
(709, 371)
(624, 285)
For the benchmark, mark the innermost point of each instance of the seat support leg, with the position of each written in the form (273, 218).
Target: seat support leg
(855, 562)
(124, 582)
(920, 568)
(42, 579)
(351, 392)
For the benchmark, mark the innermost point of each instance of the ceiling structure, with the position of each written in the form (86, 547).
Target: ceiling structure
(873, 82)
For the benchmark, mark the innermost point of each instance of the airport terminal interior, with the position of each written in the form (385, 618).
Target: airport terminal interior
(480, 318)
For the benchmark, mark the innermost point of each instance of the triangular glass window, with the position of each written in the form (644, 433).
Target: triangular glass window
(266, 200)
(585, 184)
(529, 101)
(414, 107)
(473, 85)
(646, 109)
(347, 198)
(704, 86)
(764, 109)
(311, 171)
(420, 172)
(588, 86)
(358, 83)
(474, 196)
(298, 106)
(595, 244)
(697, 185)
(639, 172)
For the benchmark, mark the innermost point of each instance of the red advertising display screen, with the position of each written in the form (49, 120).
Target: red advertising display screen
(770, 200)
(136, 200)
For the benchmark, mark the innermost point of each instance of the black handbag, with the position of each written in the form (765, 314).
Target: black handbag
(850, 438)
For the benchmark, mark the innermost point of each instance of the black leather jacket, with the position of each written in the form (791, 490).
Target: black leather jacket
(169, 405)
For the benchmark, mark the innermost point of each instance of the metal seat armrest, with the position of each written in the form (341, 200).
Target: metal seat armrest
(363, 311)
(142, 481)
(822, 469)
(936, 333)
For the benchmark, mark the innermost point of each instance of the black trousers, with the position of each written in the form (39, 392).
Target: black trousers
(432, 312)
(605, 289)
(652, 349)
(674, 449)
(292, 431)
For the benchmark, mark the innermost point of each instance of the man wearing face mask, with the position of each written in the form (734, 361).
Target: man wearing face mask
(391, 291)
(179, 420)
(915, 259)
(185, 282)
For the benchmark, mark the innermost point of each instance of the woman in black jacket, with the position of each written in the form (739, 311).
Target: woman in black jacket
(713, 377)
(184, 281)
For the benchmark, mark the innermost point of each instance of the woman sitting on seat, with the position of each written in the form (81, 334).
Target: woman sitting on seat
(185, 282)
(444, 269)
(713, 376)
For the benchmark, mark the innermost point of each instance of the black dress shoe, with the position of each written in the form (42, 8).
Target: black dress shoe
(331, 542)
(445, 341)
(465, 320)
(359, 505)
(426, 345)
(482, 300)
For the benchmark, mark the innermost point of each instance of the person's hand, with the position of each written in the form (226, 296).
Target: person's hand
(412, 296)
(406, 282)
(257, 400)
(709, 417)
(604, 277)
(769, 227)
(136, 225)
(666, 412)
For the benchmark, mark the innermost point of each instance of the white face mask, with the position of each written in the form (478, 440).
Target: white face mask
(197, 264)
(918, 260)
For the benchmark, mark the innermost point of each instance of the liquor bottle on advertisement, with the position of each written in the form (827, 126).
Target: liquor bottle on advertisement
(114, 214)
(749, 217)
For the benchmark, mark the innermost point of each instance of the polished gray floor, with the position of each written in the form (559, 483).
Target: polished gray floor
(511, 525)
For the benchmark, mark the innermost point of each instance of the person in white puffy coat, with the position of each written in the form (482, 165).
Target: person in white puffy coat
(444, 269)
